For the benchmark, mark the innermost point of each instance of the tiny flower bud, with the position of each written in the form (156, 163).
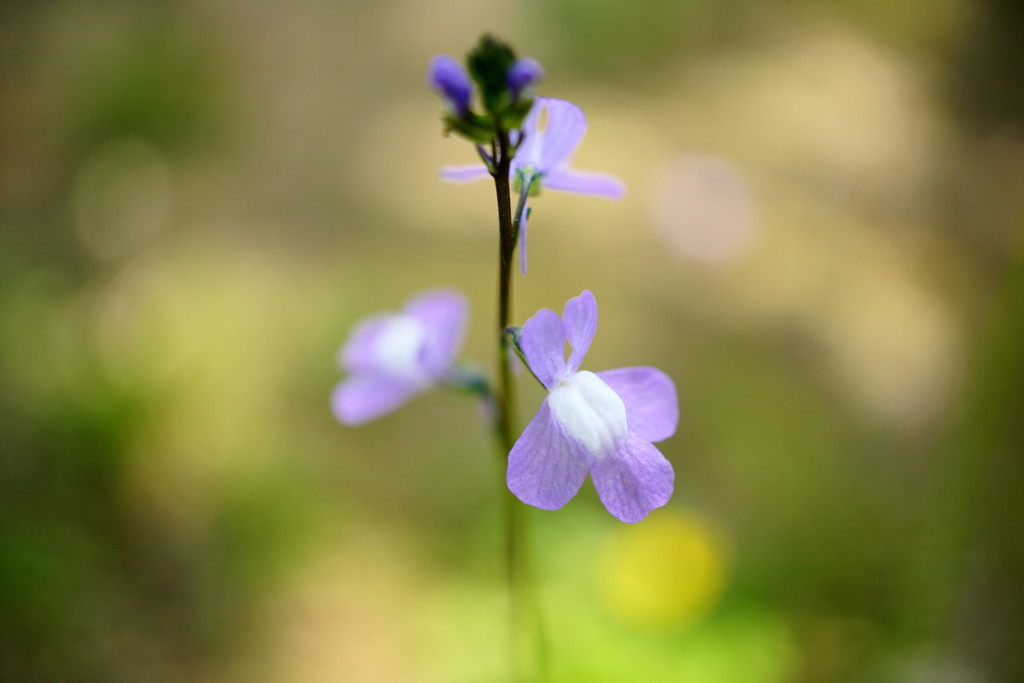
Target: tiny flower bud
(449, 78)
(525, 73)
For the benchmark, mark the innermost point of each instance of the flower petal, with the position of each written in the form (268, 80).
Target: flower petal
(543, 342)
(582, 182)
(579, 318)
(527, 153)
(359, 352)
(635, 481)
(565, 128)
(544, 469)
(652, 409)
(443, 313)
(464, 174)
(364, 397)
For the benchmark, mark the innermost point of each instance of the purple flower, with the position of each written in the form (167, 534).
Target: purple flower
(545, 154)
(543, 158)
(602, 423)
(392, 357)
(525, 73)
(449, 78)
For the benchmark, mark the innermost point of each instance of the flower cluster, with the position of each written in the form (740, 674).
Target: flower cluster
(603, 424)
(505, 85)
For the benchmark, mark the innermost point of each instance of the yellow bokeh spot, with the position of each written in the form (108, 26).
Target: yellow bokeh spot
(666, 571)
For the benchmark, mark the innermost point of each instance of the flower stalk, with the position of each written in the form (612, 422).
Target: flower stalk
(524, 650)
(602, 424)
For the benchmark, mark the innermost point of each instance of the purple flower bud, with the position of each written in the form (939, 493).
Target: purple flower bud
(523, 74)
(449, 78)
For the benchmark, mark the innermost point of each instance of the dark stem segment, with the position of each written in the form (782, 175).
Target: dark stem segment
(506, 247)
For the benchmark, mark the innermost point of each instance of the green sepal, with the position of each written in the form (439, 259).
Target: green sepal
(473, 127)
(513, 117)
(512, 335)
(534, 187)
(535, 184)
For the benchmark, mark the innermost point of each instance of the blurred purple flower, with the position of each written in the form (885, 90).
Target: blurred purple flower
(449, 78)
(543, 158)
(525, 73)
(392, 357)
(602, 423)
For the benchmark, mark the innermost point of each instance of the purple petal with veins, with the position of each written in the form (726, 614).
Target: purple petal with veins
(542, 340)
(652, 408)
(544, 468)
(634, 482)
(580, 322)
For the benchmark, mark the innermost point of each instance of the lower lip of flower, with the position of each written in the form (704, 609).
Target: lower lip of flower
(589, 412)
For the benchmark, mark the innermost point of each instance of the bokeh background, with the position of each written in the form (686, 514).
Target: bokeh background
(821, 244)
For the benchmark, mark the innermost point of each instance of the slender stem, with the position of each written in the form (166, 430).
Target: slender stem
(515, 550)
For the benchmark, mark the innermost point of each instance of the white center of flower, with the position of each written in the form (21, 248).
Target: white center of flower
(588, 410)
(398, 346)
